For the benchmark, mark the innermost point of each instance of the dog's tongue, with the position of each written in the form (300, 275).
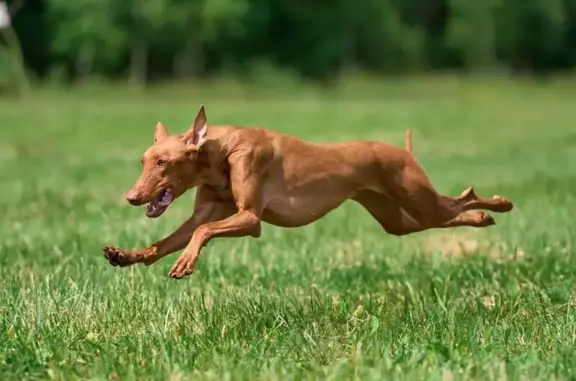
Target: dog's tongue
(165, 198)
(159, 204)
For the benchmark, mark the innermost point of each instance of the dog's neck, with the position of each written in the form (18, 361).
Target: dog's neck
(213, 166)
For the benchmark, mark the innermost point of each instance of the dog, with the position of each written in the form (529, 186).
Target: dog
(246, 176)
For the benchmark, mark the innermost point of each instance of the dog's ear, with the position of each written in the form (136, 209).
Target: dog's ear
(160, 133)
(196, 134)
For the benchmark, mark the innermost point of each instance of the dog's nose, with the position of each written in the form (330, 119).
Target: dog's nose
(134, 198)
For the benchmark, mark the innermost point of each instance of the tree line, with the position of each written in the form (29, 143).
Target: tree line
(143, 40)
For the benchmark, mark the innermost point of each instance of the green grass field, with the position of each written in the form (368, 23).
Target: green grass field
(335, 300)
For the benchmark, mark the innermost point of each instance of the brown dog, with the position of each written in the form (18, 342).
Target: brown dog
(249, 175)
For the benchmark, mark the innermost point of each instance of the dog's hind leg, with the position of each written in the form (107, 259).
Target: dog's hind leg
(412, 191)
(397, 222)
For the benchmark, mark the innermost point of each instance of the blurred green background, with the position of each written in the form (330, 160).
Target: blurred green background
(145, 40)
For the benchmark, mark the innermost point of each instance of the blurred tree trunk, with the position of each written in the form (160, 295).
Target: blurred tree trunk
(85, 62)
(138, 70)
(348, 58)
(13, 43)
(190, 60)
(139, 61)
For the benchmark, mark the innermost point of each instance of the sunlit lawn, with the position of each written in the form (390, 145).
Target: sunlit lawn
(336, 300)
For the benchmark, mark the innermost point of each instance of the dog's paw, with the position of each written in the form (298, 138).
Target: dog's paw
(487, 219)
(504, 205)
(479, 219)
(184, 266)
(117, 257)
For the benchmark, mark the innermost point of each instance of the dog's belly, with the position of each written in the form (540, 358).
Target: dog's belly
(299, 211)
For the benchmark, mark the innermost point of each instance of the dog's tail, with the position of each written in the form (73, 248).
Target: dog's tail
(409, 141)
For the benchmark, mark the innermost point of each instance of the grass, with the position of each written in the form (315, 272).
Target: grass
(335, 300)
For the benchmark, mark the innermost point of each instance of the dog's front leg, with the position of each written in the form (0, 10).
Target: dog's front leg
(241, 224)
(207, 207)
(246, 168)
(150, 254)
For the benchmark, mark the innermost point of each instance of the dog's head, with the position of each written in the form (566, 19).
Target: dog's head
(170, 167)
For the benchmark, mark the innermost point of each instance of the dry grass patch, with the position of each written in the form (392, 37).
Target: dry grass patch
(459, 244)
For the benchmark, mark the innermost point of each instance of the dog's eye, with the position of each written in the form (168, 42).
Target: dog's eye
(161, 163)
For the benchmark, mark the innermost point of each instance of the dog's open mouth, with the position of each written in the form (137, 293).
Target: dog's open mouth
(157, 206)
